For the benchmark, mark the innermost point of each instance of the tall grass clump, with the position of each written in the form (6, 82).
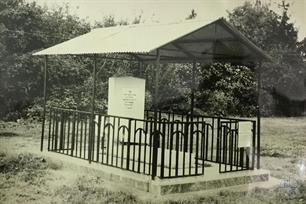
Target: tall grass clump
(89, 189)
(23, 167)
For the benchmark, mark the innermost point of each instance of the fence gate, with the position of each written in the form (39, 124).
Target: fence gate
(231, 156)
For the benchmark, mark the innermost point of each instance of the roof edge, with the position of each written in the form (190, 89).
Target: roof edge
(247, 42)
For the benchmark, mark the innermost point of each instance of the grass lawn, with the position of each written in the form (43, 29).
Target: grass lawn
(27, 177)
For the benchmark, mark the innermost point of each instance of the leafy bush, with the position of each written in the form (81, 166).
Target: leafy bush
(34, 112)
(26, 28)
(227, 89)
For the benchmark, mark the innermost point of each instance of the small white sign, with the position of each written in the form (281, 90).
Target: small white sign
(245, 134)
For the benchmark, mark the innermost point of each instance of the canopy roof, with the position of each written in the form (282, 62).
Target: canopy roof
(177, 42)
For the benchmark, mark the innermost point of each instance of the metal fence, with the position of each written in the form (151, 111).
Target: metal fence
(231, 155)
(182, 144)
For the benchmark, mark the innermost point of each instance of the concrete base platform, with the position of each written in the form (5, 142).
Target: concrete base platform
(211, 179)
(208, 182)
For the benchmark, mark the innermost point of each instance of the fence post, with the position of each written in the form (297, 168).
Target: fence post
(258, 112)
(73, 134)
(49, 135)
(155, 132)
(61, 147)
(162, 162)
(218, 140)
(253, 144)
(92, 115)
(129, 145)
(44, 105)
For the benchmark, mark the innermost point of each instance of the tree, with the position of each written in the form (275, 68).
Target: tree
(301, 46)
(267, 29)
(26, 28)
(278, 37)
(227, 90)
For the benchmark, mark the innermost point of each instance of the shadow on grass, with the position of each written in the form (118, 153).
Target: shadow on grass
(8, 134)
(13, 164)
(269, 151)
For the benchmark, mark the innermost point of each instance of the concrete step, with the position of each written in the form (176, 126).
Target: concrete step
(211, 179)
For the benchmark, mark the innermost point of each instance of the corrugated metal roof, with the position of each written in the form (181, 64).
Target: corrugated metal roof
(123, 39)
(190, 39)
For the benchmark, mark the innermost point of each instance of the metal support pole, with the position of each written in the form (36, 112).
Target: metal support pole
(189, 118)
(140, 66)
(44, 105)
(258, 112)
(192, 89)
(92, 115)
(155, 104)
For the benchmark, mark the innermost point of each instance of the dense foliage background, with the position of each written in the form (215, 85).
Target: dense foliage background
(221, 88)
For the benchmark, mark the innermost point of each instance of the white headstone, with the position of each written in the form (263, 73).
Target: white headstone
(126, 97)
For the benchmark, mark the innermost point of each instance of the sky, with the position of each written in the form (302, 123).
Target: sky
(165, 11)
